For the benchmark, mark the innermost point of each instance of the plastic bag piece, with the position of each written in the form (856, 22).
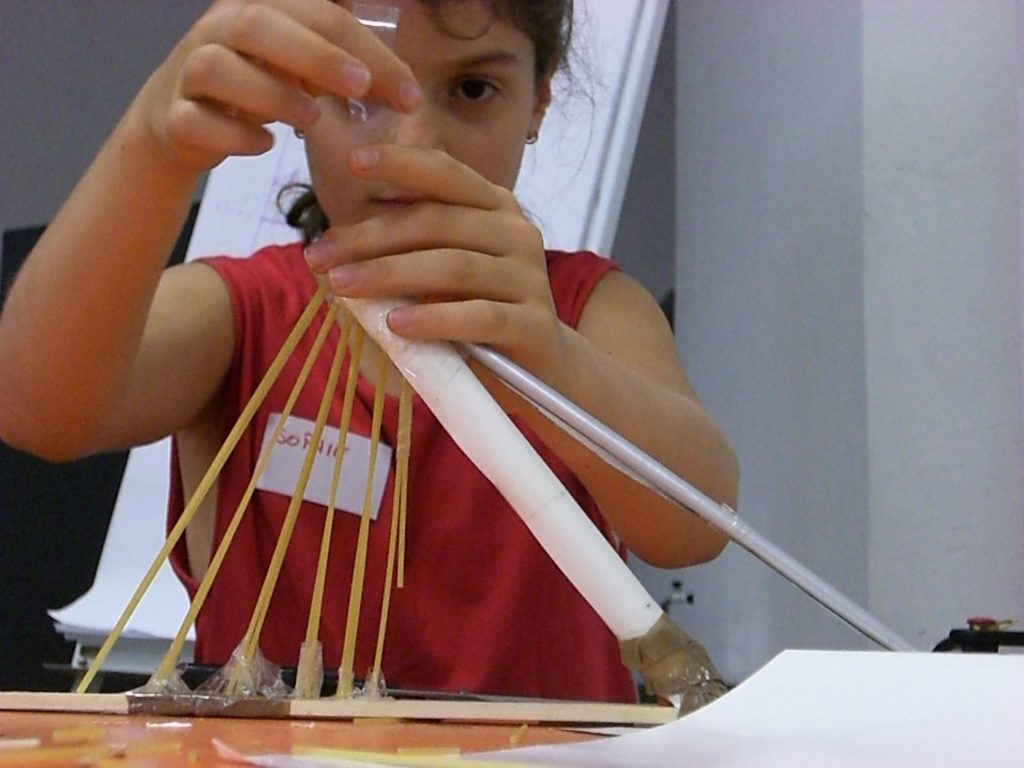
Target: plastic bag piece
(674, 666)
(169, 696)
(374, 686)
(244, 677)
(375, 122)
(173, 685)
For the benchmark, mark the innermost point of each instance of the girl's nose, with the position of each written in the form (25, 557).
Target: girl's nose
(421, 128)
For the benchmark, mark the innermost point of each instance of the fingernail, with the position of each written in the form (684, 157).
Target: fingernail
(308, 111)
(343, 277)
(399, 319)
(409, 95)
(317, 255)
(355, 78)
(364, 158)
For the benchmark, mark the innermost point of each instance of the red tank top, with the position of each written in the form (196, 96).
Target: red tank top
(483, 608)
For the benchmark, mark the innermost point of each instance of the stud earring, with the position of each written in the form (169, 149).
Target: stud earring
(531, 137)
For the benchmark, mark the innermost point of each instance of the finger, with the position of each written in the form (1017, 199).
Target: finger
(216, 73)
(443, 272)
(392, 79)
(478, 321)
(422, 226)
(431, 173)
(324, 45)
(205, 129)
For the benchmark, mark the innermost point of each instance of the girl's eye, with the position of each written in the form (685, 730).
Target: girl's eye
(474, 89)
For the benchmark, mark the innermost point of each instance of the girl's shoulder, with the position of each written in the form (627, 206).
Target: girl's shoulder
(270, 260)
(573, 276)
(271, 286)
(273, 269)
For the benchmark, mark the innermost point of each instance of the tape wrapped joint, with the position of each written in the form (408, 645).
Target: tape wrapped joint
(673, 665)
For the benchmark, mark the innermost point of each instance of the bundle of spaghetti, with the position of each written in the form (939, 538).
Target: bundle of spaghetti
(241, 676)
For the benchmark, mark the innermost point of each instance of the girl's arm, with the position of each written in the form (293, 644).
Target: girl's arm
(621, 366)
(97, 347)
(72, 329)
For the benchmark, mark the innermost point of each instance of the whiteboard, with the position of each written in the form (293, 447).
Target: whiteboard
(572, 183)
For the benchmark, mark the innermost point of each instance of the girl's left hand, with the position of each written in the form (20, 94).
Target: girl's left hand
(456, 242)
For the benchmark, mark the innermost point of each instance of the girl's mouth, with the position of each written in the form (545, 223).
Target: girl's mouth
(397, 199)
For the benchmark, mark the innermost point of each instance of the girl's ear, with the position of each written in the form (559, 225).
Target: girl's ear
(541, 103)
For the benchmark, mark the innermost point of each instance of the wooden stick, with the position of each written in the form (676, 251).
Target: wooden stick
(345, 672)
(206, 483)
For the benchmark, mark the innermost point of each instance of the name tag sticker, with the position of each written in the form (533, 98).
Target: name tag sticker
(285, 465)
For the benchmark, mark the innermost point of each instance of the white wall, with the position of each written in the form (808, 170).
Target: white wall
(941, 276)
(848, 306)
(68, 71)
(769, 304)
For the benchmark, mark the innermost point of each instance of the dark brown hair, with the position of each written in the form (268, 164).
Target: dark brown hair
(548, 24)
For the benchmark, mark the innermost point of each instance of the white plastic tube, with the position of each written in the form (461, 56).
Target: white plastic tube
(485, 433)
(495, 445)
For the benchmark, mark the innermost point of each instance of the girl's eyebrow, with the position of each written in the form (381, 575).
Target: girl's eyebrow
(498, 57)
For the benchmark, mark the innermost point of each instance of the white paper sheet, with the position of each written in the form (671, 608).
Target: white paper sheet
(829, 709)
(811, 709)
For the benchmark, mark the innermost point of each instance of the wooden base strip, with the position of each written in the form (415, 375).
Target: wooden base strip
(94, 703)
(514, 711)
(492, 711)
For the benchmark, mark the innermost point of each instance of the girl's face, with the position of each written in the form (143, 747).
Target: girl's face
(481, 101)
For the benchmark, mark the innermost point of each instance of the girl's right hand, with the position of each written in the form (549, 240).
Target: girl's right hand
(246, 63)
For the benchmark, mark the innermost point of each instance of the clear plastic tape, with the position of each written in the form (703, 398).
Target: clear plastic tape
(245, 677)
(488, 437)
(375, 122)
(381, 18)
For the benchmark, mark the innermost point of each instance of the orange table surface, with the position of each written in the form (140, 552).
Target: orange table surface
(147, 741)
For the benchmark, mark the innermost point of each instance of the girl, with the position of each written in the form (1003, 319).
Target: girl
(429, 214)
